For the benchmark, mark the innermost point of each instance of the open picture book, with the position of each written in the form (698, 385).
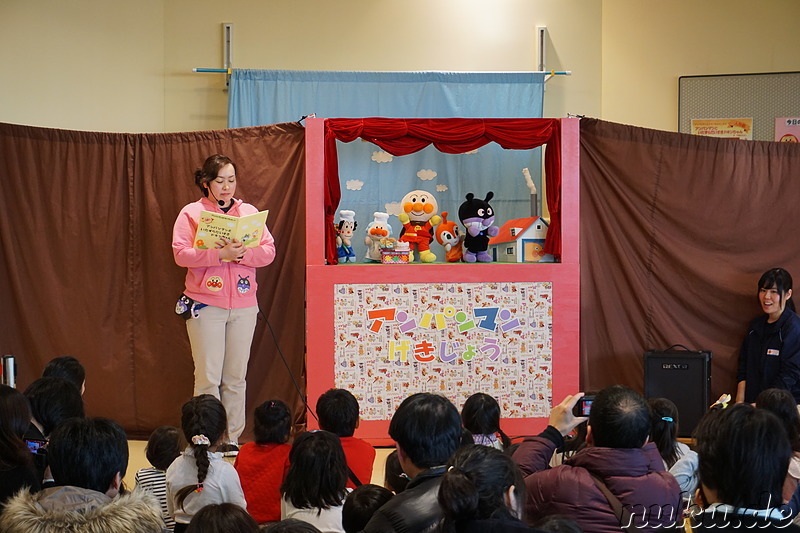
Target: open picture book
(214, 226)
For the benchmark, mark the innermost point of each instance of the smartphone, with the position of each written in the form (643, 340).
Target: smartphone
(583, 407)
(35, 445)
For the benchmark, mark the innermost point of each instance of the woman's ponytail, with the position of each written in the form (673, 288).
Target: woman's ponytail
(458, 496)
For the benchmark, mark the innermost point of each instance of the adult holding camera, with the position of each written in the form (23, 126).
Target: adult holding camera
(52, 401)
(616, 481)
(89, 457)
(16, 461)
(221, 293)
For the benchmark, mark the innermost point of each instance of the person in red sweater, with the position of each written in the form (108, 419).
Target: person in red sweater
(338, 413)
(262, 465)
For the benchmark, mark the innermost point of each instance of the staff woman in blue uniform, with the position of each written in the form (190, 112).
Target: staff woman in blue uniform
(770, 354)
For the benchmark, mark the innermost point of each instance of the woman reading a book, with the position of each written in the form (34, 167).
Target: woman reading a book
(219, 301)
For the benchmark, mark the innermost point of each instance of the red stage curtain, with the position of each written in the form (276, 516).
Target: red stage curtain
(448, 135)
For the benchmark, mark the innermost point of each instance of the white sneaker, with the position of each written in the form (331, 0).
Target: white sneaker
(231, 449)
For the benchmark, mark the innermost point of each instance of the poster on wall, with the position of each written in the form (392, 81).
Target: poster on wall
(787, 129)
(726, 128)
(454, 339)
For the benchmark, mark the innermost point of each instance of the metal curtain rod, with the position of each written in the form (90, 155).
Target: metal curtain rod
(547, 72)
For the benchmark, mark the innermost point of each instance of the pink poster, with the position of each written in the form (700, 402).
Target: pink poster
(787, 129)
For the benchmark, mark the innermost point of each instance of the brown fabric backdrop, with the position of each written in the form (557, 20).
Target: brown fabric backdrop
(85, 231)
(675, 232)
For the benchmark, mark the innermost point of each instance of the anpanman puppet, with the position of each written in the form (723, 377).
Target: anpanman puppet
(418, 217)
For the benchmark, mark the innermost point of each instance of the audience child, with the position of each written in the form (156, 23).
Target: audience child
(222, 518)
(16, 461)
(394, 478)
(316, 483)
(52, 400)
(88, 457)
(481, 417)
(163, 447)
(782, 404)
(744, 453)
(69, 368)
(482, 491)
(361, 504)
(664, 430)
(262, 465)
(618, 470)
(200, 476)
(426, 429)
(678, 459)
(338, 412)
(291, 525)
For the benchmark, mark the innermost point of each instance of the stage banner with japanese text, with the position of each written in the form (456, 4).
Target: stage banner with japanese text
(393, 340)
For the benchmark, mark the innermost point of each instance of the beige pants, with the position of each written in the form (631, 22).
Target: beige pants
(221, 340)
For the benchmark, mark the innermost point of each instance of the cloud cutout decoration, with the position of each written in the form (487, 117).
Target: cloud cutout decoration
(354, 185)
(441, 188)
(382, 157)
(426, 174)
(393, 208)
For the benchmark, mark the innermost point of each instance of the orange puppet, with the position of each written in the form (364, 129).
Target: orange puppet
(451, 238)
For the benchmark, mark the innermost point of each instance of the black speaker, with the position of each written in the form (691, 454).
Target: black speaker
(683, 376)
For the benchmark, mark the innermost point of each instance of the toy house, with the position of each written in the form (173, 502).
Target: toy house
(521, 240)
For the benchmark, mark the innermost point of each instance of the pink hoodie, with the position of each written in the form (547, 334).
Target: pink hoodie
(209, 280)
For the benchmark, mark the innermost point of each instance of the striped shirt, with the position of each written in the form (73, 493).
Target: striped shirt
(154, 481)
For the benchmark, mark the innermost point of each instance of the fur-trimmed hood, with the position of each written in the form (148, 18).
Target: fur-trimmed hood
(73, 509)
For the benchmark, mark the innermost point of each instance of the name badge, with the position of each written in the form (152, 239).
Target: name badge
(774, 352)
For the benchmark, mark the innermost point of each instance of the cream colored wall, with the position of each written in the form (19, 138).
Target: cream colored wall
(126, 66)
(455, 35)
(649, 44)
(82, 64)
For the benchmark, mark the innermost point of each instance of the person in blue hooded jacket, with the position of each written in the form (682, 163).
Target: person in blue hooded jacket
(770, 353)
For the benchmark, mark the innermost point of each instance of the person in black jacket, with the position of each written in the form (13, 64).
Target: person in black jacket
(743, 455)
(770, 353)
(427, 430)
(482, 491)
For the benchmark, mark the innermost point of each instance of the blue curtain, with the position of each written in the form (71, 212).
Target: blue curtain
(373, 180)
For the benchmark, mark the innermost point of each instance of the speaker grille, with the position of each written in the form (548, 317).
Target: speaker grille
(683, 377)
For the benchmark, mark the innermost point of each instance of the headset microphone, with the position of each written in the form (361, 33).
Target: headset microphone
(220, 202)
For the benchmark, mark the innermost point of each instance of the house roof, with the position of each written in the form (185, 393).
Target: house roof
(505, 230)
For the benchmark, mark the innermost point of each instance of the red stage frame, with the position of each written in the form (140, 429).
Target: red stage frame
(321, 278)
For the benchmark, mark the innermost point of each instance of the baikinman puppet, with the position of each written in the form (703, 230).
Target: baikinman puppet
(477, 216)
